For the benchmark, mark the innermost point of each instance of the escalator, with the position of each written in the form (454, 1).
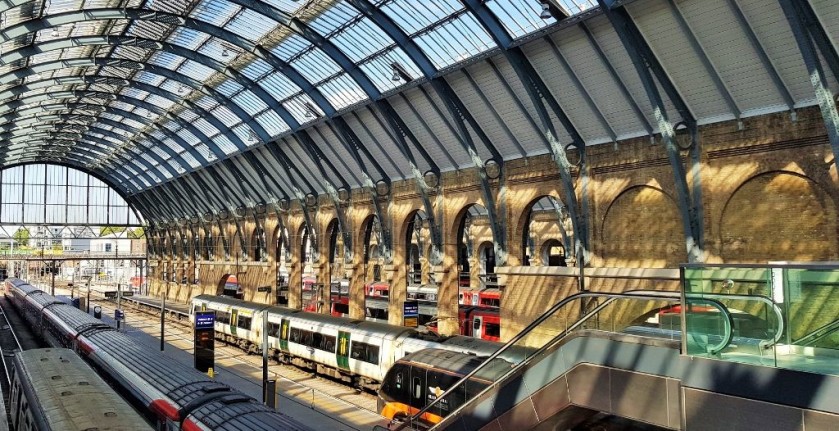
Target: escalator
(601, 364)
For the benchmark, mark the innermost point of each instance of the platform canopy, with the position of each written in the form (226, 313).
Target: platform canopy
(190, 107)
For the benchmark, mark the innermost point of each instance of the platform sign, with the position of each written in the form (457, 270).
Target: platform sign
(410, 314)
(205, 340)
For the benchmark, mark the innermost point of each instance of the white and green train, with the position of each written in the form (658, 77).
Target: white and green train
(355, 351)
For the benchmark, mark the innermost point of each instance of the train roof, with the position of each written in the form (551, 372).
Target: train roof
(256, 306)
(370, 328)
(71, 395)
(458, 363)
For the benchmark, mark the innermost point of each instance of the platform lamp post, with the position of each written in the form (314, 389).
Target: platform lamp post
(163, 306)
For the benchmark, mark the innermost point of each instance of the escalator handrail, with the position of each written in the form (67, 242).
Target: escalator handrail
(638, 294)
(779, 331)
(817, 334)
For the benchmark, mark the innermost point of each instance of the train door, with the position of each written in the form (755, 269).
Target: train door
(418, 387)
(284, 323)
(234, 318)
(342, 353)
(478, 327)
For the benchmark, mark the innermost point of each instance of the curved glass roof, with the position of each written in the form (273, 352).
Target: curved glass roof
(143, 91)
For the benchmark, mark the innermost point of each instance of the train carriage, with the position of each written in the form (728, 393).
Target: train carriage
(53, 389)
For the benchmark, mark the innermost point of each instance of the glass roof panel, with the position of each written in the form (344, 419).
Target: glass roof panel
(216, 12)
(454, 41)
(519, 18)
(290, 6)
(192, 161)
(315, 65)
(342, 91)
(245, 134)
(196, 70)
(204, 150)
(380, 71)
(361, 39)
(218, 50)
(249, 102)
(256, 69)
(225, 115)
(272, 123)
(251, 25)
(166, 59)
(206, 102)
(290, 46)
(279, 86)
(188, 38)
(229, 88)
(204, 126)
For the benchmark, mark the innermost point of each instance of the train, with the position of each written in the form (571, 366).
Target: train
(53, 389)
(170, 394)
(418, 379)
(357, 352)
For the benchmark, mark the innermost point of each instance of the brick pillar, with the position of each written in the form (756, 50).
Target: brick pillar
(322, 274)
(447, 307)
(395, 275)
(295, 281)
(356, 274)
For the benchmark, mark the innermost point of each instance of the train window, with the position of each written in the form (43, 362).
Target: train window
(295, 336)
(323, 342)
(417, 388)
(341, 308)
(273, 329)
(243, 322)
(439, 383)
(365, 352)
(492, 330)
(222, 317)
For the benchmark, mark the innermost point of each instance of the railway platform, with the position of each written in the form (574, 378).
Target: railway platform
(321, 408)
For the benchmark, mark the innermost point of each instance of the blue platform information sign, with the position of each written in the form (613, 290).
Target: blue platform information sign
(205, 319)
(205, 335)
(410, 314)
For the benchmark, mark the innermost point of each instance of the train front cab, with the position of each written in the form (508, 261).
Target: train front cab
(410, 386)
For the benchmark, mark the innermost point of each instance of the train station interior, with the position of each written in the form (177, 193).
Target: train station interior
(631, 206)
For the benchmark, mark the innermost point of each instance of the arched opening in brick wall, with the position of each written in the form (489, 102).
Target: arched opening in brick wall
(376, 292)
(229, 286)
(642, 228)
(473, 230)
(257, 245)
(778, 216)
(309, 293)
(545, 220)
(416, 235)
(281, 259)
(553, 253)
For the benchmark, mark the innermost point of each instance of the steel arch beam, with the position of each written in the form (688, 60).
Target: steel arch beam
(807, 30)
(646, 65)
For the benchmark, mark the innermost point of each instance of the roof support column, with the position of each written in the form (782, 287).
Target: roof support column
(690, 204)
(353, 145)
(340, 207)
(461, 117)
(806, 29)
(400, 133)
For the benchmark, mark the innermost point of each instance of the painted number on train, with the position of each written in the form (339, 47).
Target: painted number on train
(343, 352)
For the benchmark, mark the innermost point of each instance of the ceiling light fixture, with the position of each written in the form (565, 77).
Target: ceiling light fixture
(546, 11)
(181, 89)
(399, 73)
(54, 32)
(225, 52)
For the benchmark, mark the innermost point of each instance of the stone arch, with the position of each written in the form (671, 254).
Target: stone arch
(529, 242)
(225, 286)
(642, 227)
(778, 215)
(549, 256)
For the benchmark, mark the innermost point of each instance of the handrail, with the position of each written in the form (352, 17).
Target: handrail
(779, 332)
(639, 294)
(817, 334)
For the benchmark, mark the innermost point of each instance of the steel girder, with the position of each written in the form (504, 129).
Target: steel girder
(347, 137)
(542, 99)
(646, 65)
(809, 35)
(317, 156)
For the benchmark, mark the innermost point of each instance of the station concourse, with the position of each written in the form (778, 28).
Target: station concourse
(639, 197)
